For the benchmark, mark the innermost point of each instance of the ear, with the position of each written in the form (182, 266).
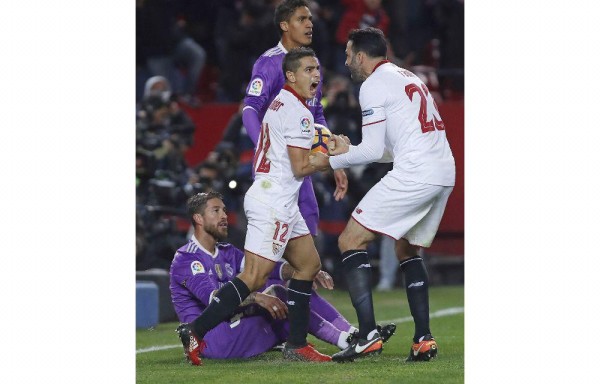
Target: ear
(284, 26)
(198, 219)
(290, 76)
(360, 57)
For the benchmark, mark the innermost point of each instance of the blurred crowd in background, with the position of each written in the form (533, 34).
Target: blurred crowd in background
(190, 53)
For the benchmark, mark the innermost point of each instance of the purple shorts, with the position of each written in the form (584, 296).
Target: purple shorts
(250, 336)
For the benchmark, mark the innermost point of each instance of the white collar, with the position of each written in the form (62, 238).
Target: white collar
(280, 45)
(214, 256)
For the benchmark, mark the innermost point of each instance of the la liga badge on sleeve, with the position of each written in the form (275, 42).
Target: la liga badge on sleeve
(197, 267)
(256, 87)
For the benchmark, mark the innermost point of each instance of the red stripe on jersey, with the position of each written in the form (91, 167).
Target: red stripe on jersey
(374, 122)
(293, 146)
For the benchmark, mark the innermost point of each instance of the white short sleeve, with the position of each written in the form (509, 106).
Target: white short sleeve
(299, 130)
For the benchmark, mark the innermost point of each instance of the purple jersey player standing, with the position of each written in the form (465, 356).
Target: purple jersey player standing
(202, 266)
(294, 20)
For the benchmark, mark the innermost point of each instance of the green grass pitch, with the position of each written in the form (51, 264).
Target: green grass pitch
(447, 325)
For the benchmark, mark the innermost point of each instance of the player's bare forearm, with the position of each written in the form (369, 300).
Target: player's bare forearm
(249, 300)
(299, 160)
(273, 304)
(320, 161)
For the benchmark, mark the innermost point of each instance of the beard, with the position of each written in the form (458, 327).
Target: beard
(355, 72)
(216, 232)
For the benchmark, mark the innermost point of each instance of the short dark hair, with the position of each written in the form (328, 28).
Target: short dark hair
(197, 203)
(285, 10)
(368, 40)
(291, 61)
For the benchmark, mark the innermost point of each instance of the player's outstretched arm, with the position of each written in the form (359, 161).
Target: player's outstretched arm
(368, 151)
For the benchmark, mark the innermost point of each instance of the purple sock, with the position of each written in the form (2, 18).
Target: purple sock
(328, 312)
(323, 329)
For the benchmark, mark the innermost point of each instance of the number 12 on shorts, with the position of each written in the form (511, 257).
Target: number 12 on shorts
(284, 230)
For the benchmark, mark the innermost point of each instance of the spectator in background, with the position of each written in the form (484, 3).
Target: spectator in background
(341, 108)
(245, 29)
(322, 38)
(236, 141)
(164, 133)
(359, 14)
(158, 86)
(450, 20)
(179, 123)
(163, 46)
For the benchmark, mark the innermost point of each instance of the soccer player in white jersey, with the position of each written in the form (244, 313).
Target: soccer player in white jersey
(401, 123)
(274, 221)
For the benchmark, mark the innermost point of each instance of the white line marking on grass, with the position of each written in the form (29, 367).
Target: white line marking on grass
(157, 348)
(441, 313)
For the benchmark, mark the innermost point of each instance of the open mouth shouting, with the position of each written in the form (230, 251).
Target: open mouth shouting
(313, 88)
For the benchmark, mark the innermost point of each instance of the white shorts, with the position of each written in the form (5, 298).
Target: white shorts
(403, 209)
(269, 229)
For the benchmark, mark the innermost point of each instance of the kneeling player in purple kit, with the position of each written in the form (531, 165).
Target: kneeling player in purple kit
(204, 265)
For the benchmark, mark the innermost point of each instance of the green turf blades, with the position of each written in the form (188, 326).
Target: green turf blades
(447, 324)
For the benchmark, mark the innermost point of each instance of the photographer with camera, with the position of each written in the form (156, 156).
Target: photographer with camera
(164, 133)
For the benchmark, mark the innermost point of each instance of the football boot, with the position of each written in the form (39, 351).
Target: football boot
(425, 350)
(307, 353)
(358, 348)
(191, 345)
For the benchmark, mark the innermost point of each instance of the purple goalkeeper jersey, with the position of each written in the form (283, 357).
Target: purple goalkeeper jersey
(266, 82)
